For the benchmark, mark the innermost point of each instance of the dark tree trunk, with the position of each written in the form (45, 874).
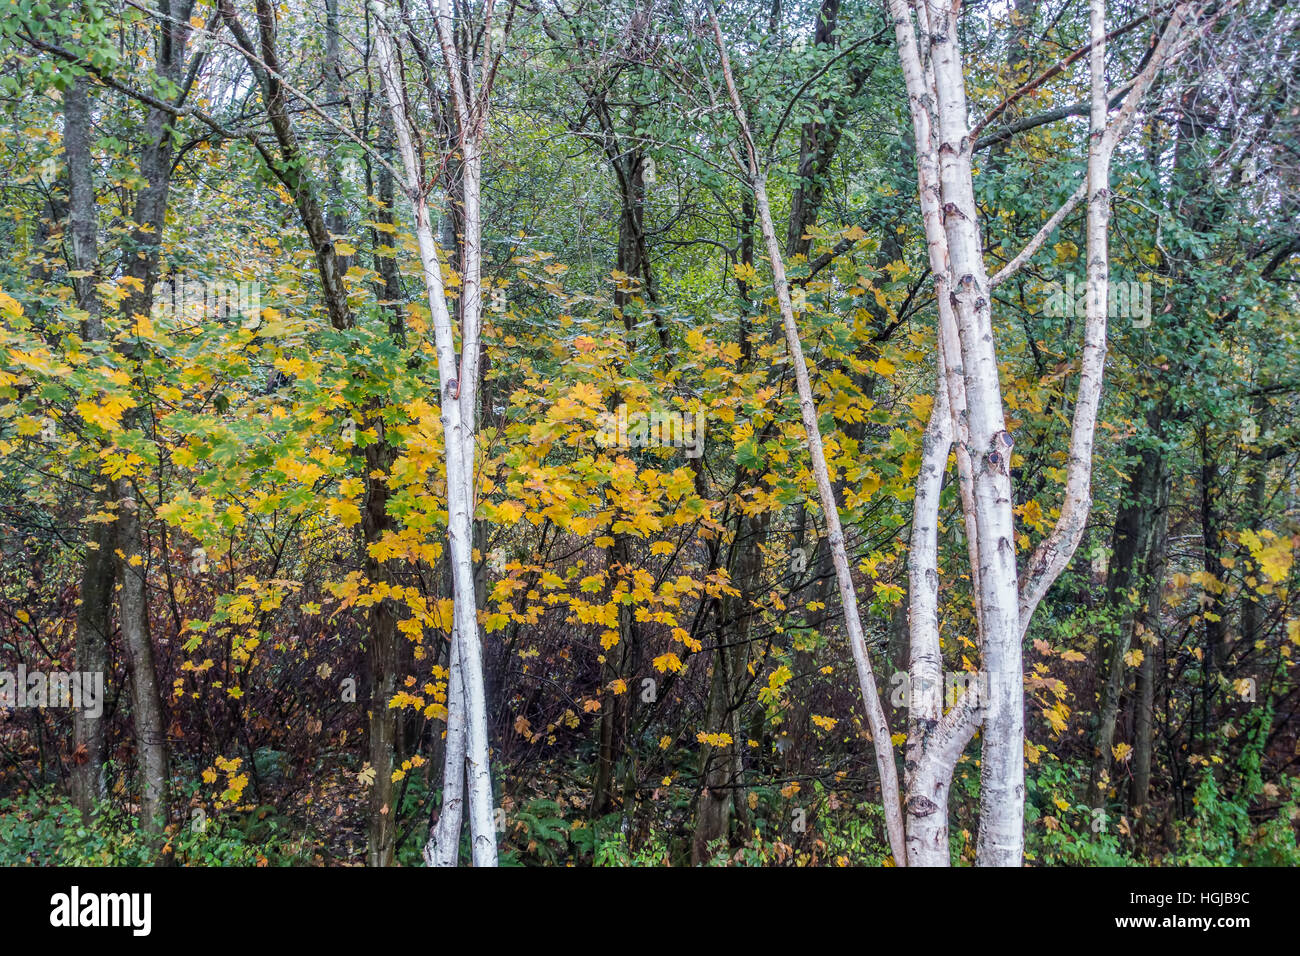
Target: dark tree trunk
(1152, 668)
(141, 259)
(1133, 548)
(146, 704)
(95, 610)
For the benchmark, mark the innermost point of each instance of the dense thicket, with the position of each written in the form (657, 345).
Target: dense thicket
(225, 396)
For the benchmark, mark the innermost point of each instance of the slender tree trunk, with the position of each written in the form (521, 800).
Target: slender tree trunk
(926, 783)
(875, 713)
(94, 621)
(745, 568)
(95, 606)
(1215, 631)
(382, 656)
(140, 260)
(818, 145)
(336, 213)
(1133, 549)
(443, 848)
(146, 704)
(722, 766)
(1001, 834)
(458, 385)
(622, 662)
(1153, 665)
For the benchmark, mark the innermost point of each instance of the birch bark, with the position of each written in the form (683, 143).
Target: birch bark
(458, 386)
(932, 70)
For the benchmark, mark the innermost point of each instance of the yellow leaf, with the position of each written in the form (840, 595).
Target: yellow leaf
(509, 512)
(668, 662)
(714, 740)
(345, 510)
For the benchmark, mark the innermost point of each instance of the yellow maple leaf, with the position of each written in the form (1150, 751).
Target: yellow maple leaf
(668, 662)
(345, 510)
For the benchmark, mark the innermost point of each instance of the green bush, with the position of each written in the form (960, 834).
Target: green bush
(45, 829)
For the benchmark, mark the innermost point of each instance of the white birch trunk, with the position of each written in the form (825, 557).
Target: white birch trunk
(927, 800)
(458, 391)
(443, 848)
(937, 100)
(1054, 552)
(936, 94)
(935, 740)
(1001, 835)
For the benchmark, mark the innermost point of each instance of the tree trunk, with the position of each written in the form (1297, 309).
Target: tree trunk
(382, 656)
(443, 848)
(95, 605)
(1133, 548)
(745, 569)
(926, 782)
(458, 387)
(94, 623)
(1153, 665)
(140, 260)
(721, 766)
(1215, 631)
(875, 713)
(146, 704)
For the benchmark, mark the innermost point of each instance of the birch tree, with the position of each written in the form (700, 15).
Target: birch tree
(458, 373)
(968, 379)
(748, 160)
